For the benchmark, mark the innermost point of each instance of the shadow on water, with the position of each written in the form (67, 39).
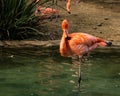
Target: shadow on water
(43, 72)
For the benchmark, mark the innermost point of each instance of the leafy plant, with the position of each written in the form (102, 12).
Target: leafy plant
(17, 18)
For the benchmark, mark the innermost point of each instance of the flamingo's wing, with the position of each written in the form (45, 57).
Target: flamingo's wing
(81, 43)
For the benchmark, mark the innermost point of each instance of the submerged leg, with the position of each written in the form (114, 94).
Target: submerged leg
(79, 73)
(85, 57)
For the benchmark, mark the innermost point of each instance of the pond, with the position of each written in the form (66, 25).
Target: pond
(43, 72)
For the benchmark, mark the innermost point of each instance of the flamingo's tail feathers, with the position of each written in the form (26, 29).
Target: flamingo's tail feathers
(103, 42)
(108, 43)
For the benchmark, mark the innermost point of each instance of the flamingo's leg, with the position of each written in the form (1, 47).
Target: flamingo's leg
(79, 72)
(56, 14)
(51, 17)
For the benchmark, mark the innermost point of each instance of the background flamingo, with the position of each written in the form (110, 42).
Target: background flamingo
(46, 12)
(68, 5)
(78, 44)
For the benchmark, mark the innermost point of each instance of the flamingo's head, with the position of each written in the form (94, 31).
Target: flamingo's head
(65, 25)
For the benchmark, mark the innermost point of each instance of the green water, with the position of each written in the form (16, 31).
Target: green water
(43, 72)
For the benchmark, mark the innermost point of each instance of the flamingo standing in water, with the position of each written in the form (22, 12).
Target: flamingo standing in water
(79, 44)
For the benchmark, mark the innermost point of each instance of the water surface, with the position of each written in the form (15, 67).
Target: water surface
(43, 72)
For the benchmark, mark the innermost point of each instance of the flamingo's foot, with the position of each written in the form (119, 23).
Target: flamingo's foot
(69, 12)
(79, 81)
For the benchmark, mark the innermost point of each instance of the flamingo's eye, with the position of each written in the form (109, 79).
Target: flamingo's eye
(68, 38)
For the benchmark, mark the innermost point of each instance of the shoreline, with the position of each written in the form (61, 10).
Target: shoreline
(37, 43)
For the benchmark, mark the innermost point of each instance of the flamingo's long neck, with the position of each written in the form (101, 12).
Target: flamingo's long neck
(64, 46)
(65, 33)
(63, 40)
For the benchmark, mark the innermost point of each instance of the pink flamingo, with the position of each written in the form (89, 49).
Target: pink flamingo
(79, 44)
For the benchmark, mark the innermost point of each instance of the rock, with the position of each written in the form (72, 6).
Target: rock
(95, 28)
(71, 81)
(106, 18)
(100, 24)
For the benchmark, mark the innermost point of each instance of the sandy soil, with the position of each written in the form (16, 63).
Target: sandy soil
(97, 18)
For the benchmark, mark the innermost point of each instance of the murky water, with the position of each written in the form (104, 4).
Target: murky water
(31, 72)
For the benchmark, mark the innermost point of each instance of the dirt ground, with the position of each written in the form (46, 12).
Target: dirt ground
(95, 17)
